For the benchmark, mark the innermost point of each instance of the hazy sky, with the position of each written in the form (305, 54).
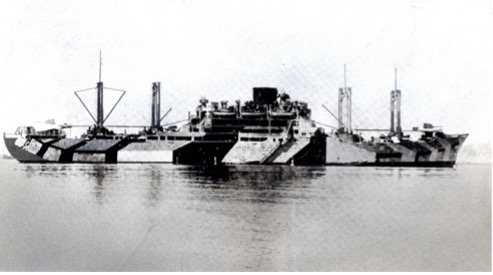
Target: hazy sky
(221, 49)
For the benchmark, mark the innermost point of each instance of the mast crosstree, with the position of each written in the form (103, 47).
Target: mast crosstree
(100, 117)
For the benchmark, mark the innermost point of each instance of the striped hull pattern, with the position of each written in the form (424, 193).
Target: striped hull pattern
(315, 150)
(436, 152)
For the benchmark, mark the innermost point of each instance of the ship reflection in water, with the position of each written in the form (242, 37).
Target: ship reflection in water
(244, 218)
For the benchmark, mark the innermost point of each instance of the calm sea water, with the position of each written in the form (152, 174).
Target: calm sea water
(244, 218)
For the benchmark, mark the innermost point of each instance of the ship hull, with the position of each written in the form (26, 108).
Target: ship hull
(19, 153)
(316, 150)
(439, 151)
(68, 150)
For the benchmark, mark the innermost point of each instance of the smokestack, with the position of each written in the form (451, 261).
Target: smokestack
(238, 108)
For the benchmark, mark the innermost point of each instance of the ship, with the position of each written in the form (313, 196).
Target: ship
(270, 129)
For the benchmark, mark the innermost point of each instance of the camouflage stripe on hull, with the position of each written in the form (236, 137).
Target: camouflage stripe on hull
(439, 152)
(318, 150)
(21, 154)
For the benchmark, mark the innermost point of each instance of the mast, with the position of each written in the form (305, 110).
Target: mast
(100, 118)
(349, 99)
(100, 111)
(345, 77)
(399, 129)
(395, 109)
(395, 79)
(100, 63)
(156, 105)
(344, 110)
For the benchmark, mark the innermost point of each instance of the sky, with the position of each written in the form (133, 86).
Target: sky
(222, 49)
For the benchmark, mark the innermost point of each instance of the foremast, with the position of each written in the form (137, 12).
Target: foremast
(98, 129)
